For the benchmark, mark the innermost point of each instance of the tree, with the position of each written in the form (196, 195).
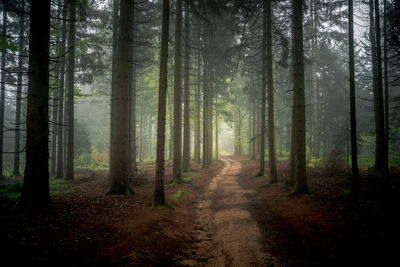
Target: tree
(159, 196)
(353, 125)
(270, 79)
(197, 111)
(21, 61)
(186, 102)
(261, 172)
(298, 118)
(381, 156)
(2, 94)
(380, 115)
(69, 175)
(315, 127)
(119, 147)
(61, 137)
(35, 190)
(177, 97)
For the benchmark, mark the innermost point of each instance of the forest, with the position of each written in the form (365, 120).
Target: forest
(199, 132)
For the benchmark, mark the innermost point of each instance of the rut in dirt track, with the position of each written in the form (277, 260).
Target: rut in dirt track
(228, 235)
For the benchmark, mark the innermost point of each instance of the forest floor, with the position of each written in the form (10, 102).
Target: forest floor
(224, 216)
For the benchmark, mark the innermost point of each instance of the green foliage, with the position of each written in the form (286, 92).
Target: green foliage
(12, 190)
(179, 195)
(190, 177)
(316, 162)
(7, 44)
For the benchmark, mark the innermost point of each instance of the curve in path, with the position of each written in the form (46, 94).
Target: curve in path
(227, 234)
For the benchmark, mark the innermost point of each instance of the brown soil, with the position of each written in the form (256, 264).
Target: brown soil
(89, 227)
(227, 217)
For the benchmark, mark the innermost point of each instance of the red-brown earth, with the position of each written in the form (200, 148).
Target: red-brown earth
(223, 216)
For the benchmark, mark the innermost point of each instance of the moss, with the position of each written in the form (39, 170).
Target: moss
(190, 177)
(179, 195)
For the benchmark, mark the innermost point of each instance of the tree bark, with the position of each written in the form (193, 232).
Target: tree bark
(216, 129)
(70, 80)
(197, 116)
(55, 100)
(120, 148)
(205, 160)
(133, 111)
(254, 123)
(386, 78)
(261, 172)
(186, 128)
(315, 126)
(210, 108)
(239, 124)
(21, 61)
(271, 111)
(35, 190)
(60, 155)
(299, 100)
(150, 134)
(380, 153)
(2, 94)
(141, 139)
(177, 97)
(159, 196)
(353, 125)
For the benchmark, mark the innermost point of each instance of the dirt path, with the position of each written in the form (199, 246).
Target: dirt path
(227, 234)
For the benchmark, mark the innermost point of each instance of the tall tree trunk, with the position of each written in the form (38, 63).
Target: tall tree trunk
(159, 196)
(258, 126)
(380, 153)
(171, 129)
(386, 78)
(177, 96)
(141, 139)
(21, 61)
(150, 134)
(115, 29)
(133, 111)
(54, 132)
(315, 126)
(70, 80)
(119, 148)
(216, 129)
(381, 110)
(197, 115)
(254, 123)
(353, 126)
(54, 123)
(210, 108)
(2, 94)
(271, 111)
(186, 128)
(205, 160)
(130, 92)
(35, 190)
(299, 100)
(65, 134)
(239, 133)
(60, 154)
(261, 172)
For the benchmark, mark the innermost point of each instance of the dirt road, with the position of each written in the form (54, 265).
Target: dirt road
(227, 234)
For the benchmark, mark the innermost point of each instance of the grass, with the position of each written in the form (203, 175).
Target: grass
(190, 177)
(13, 190)
(179, 195)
